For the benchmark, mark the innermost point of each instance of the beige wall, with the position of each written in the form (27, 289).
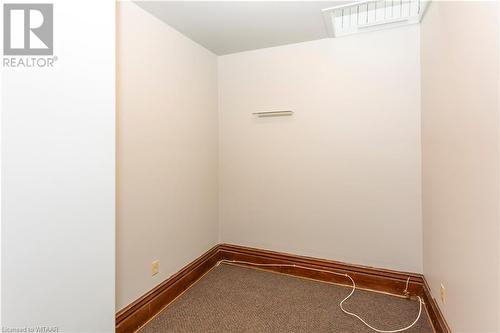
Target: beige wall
(341, 179)
(460, 136)
(167, 151)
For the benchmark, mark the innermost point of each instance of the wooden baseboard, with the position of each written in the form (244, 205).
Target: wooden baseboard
(139, 312)
(435, 314)
(365, 277)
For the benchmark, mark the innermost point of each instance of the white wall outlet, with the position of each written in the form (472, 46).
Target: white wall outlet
(155, 267)
(442, 292)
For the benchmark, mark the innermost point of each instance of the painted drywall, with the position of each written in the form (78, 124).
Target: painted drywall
(460, 138)
(167, 152)
(58, 178)
(341, 178)
(243, 25)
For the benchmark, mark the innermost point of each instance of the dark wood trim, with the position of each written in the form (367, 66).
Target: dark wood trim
(366, 277)
(435, 314)
(139, 312)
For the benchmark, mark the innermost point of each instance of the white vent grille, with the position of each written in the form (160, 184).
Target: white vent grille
(372, 15)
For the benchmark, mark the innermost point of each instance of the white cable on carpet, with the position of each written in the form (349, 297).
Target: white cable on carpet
(341, 305)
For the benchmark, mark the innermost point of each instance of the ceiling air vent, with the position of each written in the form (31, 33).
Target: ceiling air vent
(372, 15)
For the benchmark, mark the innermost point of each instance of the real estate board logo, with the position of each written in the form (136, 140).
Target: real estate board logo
(28, 30)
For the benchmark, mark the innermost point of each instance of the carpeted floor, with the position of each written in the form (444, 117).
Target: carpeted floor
(238, 299)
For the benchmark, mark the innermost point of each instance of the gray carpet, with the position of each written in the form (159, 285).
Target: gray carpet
(237, 299)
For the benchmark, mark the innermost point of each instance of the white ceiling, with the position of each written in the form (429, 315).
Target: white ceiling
(234, 26)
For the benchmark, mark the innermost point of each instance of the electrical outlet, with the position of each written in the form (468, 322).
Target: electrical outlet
(443, 294)
(155, 267)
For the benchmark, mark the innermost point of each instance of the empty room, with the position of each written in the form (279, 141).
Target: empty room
(250, 166)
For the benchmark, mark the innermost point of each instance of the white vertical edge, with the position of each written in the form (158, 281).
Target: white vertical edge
(396, 9)
(498, 105)
(17, 29)
(1, 172)
(363, 14)
(388, 10)
(405, 8)
(328, 18)
(379, 11)
(346, 19)
(414, 7)
(371, 12)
